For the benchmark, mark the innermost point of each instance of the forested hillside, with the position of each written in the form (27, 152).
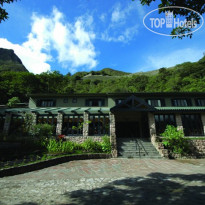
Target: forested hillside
(183, 77)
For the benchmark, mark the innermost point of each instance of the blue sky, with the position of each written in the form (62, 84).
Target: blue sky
(84, 35)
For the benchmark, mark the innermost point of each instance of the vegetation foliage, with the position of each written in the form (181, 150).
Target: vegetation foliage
(187, 76)
(13, 101)
(174, 140)
(198, 6)
(3, 12)
(41, 130)
(69, 147)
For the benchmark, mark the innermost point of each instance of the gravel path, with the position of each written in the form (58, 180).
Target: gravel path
(109, 181)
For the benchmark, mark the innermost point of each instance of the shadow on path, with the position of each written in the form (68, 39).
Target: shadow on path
(155, 188)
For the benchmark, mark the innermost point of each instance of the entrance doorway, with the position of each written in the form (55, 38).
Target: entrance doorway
(128, 130)
(132, 125)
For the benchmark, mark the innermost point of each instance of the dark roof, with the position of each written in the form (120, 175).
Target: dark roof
(138, 94)
(190, 108)
(55, 111)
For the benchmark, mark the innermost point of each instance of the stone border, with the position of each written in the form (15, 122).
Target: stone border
(48, 163)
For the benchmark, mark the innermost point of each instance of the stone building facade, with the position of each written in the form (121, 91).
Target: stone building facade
(135, 115)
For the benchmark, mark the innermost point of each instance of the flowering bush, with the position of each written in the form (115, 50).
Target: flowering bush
(61, 137)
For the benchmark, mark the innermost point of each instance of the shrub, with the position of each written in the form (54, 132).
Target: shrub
(54, 146)
(41, 130)
(174, 140)
(13, 101)
(106, 145)
(67, 147)
(27, 124)
(90, 146)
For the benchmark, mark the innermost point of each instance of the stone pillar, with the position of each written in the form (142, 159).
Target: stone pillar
(7, 123)
(34, 118)
(179, 122)
(59, 126)
(152, 127)
(113, 139)
(85, 124)
(203, 121)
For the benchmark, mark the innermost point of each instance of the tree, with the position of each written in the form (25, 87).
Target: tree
(196, 5)
(13, 101)
(3, 12)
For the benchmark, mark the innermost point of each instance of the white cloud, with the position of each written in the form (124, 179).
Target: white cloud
(102, 17)
(174, 58)
(71, 41)
(124, 22)
(117, 14)
(125, 36)
(34, 61)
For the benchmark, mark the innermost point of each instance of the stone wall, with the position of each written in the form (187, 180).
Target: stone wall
(81, 139)
(197, 149)
(161, 149)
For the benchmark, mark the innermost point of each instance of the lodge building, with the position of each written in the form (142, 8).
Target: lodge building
(118, 115)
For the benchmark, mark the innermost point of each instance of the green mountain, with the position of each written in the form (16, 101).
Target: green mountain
(104, 74)
(178, 67)
(9, 61)
(112, 72)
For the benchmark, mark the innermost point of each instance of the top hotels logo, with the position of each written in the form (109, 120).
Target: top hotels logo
(164, 23)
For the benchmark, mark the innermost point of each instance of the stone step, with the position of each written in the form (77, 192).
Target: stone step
(134, 153)
(142, 157)
(136, 148)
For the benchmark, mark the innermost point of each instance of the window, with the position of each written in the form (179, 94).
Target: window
(74, 100)
(16, 124)
(99, 125)
(49, 119)
(46, 103)
(65, 100)
(181, 102)
(200, 102)
(118, 101)
(95, 102)
(162, 121)
(156, 102)
(72, 120)
(2, 120)
(192, 125)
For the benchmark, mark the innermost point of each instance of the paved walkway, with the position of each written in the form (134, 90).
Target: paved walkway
(109, 181)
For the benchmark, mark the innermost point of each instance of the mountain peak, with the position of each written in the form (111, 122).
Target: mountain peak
(9, 61)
